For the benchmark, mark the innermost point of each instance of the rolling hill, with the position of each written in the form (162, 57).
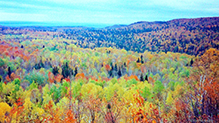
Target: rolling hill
(190, 36)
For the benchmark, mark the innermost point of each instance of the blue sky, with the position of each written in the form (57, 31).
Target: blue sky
(105, 11)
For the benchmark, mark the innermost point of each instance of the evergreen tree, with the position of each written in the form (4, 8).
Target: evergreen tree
(141, 56)
(191, 62)
(110, 72)
(55, 70)
(108, 106)
(141, 78)
(115, 67)
(9, 71)
(142, 61)
(119, 73)
(124, 64)
(146, 77)
(76, 71)
(66, 70)
(138, 61)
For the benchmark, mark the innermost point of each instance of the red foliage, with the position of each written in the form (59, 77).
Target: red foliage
(8, 79)
(107, 67)
(67, 79)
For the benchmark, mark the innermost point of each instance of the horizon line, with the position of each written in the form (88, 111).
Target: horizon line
(77, 24)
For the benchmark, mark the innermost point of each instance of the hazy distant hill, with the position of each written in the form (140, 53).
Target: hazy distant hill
(115, 26)
(191, 36)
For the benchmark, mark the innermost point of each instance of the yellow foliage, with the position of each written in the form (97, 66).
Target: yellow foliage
(169, 99)
(171, 70)
(28, 104)
(128, 96)
(178, 91)
(39, 111)
(4, 107)
(91, 89)
(7, 88)
(63, 104)
(2, 118)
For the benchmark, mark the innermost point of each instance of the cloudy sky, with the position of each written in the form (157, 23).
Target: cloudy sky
(105, 11)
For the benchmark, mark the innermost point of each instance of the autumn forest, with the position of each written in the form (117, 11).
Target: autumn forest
(145, 72)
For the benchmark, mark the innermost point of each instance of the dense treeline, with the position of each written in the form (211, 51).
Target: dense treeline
(191, 36)
(52, 81)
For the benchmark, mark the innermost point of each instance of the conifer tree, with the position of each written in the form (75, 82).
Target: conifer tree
(141, 78)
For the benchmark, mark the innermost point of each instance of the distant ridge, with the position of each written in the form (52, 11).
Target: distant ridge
(115, 26)
(27, 24)
(147, 22)
(191, 36)
(50, 24)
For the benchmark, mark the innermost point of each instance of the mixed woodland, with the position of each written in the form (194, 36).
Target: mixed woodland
(143, 72)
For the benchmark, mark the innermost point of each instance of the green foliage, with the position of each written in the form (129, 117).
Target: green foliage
(64, 87)
(158, 87)
(1, 87)
(2, 63)
(96, 54)
(99, 83)
(184, 73)
(76, 89)
(146, 93)
(33, 85)
(37, 77)
(131, 82)
(11, 65)
(17, 81)
(171, 85)
(114, 81)
(55, 92)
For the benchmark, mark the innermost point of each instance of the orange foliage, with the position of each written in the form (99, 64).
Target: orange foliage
(133, 77)
(51, 77)
(207, 65)
(128, 61)
(140, 116)
(151, 80)
(14, 76)
(26, 58)
(58, 78)
(70, 118)
(8, 79)
(138, 98)
(180, 105)
(93, 78)
(80, 75)
(138, 65)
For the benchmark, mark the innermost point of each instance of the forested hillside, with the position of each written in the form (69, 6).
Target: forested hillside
(143, 72)
(190, 36)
